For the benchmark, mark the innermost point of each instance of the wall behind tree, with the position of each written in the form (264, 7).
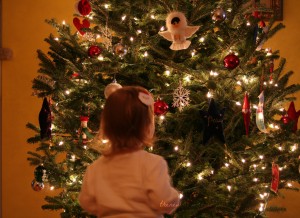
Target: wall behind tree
(24, 30)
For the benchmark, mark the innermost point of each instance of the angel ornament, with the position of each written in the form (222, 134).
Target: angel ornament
(178, 31)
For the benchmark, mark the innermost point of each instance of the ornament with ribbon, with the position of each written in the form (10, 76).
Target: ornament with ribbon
(246, 113)
(291, 116)
(45, 120)
(275, 178)
(260, 121)
(178, 31)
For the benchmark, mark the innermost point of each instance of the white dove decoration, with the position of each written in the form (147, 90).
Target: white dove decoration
(178, 31)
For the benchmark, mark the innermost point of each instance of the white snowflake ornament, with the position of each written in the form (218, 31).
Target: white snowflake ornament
(181, 97)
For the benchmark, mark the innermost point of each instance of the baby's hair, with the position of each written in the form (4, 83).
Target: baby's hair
(126, 120)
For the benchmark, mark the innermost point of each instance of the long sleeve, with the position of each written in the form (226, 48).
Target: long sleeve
(86, 199)
(163, 197)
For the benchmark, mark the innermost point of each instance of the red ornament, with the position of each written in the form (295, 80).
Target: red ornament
(275, 178)
(94, 51)
(80, 26)
(292, 115)
(246, 113)
(231, 61)
(84, 7)
(160, 107)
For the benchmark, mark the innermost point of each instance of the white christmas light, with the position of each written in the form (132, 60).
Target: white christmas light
(226, 164)
(289, 184)
(123, 17)
(167, 73)
(146, 54)
(243, 160)
(131, 39)
(64, 22)
(152, 16)
(261, 157)
(239, 83)
(248, 23)
(106, 6)
(261, 207)
(151, 148)
(180, 196)
(254, 106)
(228, 187)
(52, 188)
(162, 28)
(187, 78)
(188, 164)
(202, 39)
(176, 148)
(56, 39)
(199, 176)
(85, 147)
(100, 58)
(209, 95)
(255, 180)
(60, 143)
(161, 117)
(193, 53)
(238, 103)
(67, 92)
(213, 73)
(139, 31)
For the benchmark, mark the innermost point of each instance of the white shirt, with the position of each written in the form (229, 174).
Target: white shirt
(129, 185)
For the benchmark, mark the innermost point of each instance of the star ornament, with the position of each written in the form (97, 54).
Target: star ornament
(178, 31)
(213, 123)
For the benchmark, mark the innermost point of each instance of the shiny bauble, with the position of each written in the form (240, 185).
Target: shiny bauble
(120, 50)
(84, 7)
(160, 107)
(37, 186)
(231, 61)
(110, 88)
(94, 51)
(218, 14)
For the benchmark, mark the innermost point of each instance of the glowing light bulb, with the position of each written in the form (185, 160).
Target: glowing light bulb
(255, 180)
(228, 187)
(151, 148)
(202, 39)
(239, 83)
(152, 16)
(289, 184)
(123, 17)
(187, 78)
(161, 117)
(162, 28)
(243, 160)
(100, 58)
(226, 164)
(106, 6)
(193, 53)
(131, 39)
(248, 23)
(188, 164)
(176, 148)
(56, 39)
(146, 54)
(167, 73)
(238, 103)
(180, 196)
(200, 177)
(52, 188)
(64, 22)
(139, 31)
(209, 95)
(67, 92)
(60, 143)
(261, 157)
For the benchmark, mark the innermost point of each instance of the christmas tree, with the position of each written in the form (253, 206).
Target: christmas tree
(222, 121)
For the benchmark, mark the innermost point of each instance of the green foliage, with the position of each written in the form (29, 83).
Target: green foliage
(216, 179)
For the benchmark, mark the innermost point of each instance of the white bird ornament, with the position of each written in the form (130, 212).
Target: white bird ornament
(178, 31)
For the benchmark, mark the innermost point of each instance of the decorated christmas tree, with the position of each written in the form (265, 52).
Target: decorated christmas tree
(221, 100)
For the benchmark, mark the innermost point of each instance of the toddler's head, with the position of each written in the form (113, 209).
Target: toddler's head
(127, 119)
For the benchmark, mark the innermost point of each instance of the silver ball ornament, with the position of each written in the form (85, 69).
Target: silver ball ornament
(110, 88)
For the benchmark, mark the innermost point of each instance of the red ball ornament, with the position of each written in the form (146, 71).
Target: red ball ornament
(231, 61)
(94, 51)
(160, 107)
(84, 7)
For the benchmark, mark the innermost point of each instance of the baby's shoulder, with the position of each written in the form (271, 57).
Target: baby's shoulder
(150, 157)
